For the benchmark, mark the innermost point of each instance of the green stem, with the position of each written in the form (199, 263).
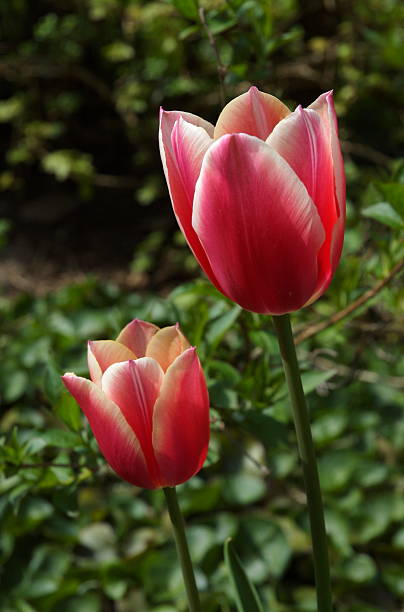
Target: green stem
(308, 457)
(182, 548)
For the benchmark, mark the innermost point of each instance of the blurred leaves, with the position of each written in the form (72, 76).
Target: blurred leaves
(245, 594)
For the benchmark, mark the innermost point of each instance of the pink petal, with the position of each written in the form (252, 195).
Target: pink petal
(181, 420)
(303, 141)
(184, 139)
(102, 353)
(258, 225)
(324, 105)
(255, 113)
(166, 345)
(136, 336)
(134, 387)
(115, 438)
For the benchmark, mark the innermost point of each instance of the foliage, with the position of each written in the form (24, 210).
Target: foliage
(74, 535)
(80, 89)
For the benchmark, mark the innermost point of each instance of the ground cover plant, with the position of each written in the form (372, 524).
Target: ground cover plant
(80, 91)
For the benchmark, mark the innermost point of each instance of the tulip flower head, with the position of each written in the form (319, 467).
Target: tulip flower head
(147, 404)
(260, 197)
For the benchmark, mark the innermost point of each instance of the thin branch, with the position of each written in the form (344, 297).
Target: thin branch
(16, 70)
(50, 464)
(367, 376)
(114, 181)
(221, 69)
(342, 314)
(366, 152)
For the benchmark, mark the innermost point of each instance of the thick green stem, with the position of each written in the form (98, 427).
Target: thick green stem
(308, 457)
(182, 549)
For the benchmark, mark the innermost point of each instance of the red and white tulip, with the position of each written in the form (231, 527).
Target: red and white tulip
(147, 404)
(260, 197)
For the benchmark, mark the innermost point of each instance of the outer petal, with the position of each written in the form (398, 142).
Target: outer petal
(166, 345)
(134, 387)
(258, 225)
(181, 420)
(303, 140)
(102, 353)
(184, 139)
(115, 438)
(324, 105)
(255, 113)
(136, 336)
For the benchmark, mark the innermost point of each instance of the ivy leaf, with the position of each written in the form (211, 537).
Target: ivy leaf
(245, 594)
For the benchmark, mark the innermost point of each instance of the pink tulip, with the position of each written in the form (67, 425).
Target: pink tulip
(260, 197)
(147, 404)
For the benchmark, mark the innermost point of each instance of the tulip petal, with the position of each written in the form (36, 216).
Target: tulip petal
(255, 113)
(258, 225)
(166, 345)
(303, 140)
(134, 387)
(136, 336)
(115, 438)
(181, 420)
(324, 105)
(182, 147)
(102, 353)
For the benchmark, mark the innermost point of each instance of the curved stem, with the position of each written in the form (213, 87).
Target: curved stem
(182, 548)
(307, 454)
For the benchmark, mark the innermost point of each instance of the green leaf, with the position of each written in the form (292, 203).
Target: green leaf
(221, 325)
(244, 489)
(61, 438)
(312, 380)
(187, 8)
(263, 547)
(270, 431)
(384, 213)
(67, 409)
(245, 594)
(336, 469)
(359, 569)
(392, 575)
(393, 193)
(329, 426)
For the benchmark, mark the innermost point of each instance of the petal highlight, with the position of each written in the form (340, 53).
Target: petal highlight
(166, 345)
(115, 438)
(136, 336)
(255, 113)
(181, 420)
(258, 225)
(134, 387)
(181, 173)
(102, 353)
(303, 141)
(324, 105)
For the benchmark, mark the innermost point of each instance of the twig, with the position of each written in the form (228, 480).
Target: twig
(341, 314)
(221, 69)
(324, 364)
(18, 70)
(114, 181)
(50, 464)
(366, 152)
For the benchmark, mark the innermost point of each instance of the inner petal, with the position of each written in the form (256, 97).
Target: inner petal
(134, 386)
(103, 353)
(166, 345)
(255, 113)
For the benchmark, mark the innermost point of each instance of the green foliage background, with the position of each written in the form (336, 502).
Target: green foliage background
(81, 83)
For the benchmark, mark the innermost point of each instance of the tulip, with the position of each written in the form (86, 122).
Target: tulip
(147, 404)
(260, 197)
